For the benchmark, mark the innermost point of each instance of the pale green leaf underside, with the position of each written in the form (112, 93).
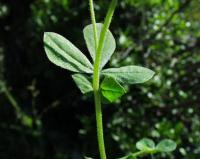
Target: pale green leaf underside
(129, 74)
(83, 83)
(109, 45)
(145, 144)
(85, 157)
(63, 53)
(111, 89)
(166, 145)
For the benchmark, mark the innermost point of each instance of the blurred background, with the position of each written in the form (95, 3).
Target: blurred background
(43, 115)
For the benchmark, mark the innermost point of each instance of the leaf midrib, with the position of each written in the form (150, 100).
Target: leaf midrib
(60, 47)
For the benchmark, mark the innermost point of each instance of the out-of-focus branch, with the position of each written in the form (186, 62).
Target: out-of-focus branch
(126, 52)
(192, 48)
(148, 41)
(12, 101)
(169, 19)
(51, 106)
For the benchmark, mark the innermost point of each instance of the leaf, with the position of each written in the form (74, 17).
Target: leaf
(63, 53)
(85, 157)
(145, 144)
(130, 74)
(83, 83)
(111, 89)
(166, 145)
(109, 45)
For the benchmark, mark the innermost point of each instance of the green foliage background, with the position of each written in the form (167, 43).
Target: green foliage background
(42, 113)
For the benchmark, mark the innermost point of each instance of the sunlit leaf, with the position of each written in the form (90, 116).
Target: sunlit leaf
(166, 145)
(130, 74)
(63, 53)
(109, 45)
(145, 144)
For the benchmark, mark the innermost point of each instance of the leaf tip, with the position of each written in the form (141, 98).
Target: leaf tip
(46, 34)
(151, 74)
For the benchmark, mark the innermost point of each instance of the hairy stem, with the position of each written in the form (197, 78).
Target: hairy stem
(99, 121)
(101, 43)
(92, 15)
(96, 77)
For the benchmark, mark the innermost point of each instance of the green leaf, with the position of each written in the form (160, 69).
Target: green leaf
(111, 89)
(63, 53)
(109, 45)
(166, 145)
(145, 144)
(130, 74)
(83, 83)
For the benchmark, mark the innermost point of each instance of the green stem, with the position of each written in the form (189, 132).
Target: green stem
(143, 153)
(96, 77)
(101, 43)
(99, 122)
(139, 154)
(92, 14)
